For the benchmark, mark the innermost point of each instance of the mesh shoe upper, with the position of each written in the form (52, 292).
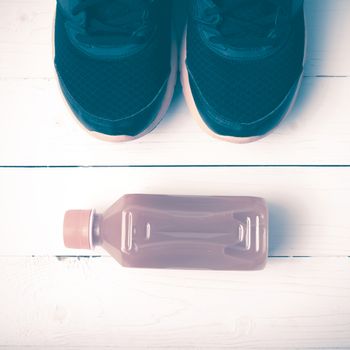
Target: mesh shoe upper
(105, 90)
(238, 89)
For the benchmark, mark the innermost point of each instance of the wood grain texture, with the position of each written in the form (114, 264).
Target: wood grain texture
(37, 128)
(309, 206)
(93, 303)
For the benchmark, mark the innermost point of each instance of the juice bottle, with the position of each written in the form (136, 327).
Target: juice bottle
(188, 232)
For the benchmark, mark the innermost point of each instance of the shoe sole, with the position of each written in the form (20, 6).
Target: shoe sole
(163, 108)
(187, 91)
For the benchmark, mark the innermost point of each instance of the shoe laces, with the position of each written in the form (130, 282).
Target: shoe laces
(111, 22)
(248, 23)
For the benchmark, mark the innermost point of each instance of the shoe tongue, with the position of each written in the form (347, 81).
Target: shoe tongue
(127, 15)
(260, 14)
(110, 11)
(256, 7)
(246, 9)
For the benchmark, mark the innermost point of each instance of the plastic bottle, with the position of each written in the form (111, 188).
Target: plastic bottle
(188, 232)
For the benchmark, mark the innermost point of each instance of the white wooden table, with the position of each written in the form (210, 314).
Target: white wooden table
(51, 297)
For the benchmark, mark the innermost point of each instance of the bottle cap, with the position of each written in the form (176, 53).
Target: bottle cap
(77, 229)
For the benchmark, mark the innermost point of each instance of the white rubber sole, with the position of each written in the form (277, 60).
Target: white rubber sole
(186, 87)
(171, 83)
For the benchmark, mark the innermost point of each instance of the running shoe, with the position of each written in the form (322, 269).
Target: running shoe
(116, 64)
(242, 64)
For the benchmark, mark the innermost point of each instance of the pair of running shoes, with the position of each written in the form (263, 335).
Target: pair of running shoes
(241, 64)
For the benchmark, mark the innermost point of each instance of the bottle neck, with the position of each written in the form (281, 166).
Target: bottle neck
(95, 232)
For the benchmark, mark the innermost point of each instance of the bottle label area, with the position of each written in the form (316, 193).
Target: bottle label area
(228, 232)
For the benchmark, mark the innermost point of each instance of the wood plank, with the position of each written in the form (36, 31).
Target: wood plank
(26, 47)
(92, 303)
(37, 128)
(309, 206)
(328, 26)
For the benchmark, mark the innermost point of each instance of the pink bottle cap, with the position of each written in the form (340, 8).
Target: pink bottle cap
(77, 229)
